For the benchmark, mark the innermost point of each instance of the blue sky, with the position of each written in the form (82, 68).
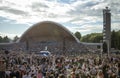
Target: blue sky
(85, 16)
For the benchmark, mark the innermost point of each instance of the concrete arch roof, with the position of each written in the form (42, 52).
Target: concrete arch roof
(47, 30)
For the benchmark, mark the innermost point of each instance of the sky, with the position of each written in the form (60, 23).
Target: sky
(85, 16)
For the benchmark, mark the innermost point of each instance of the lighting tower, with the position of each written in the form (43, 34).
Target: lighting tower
(107, 28)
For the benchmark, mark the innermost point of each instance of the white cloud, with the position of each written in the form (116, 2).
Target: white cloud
(86, 28)
(82, 13)
(115, 26)
(86, 20)
(99, 6)
(33, 11)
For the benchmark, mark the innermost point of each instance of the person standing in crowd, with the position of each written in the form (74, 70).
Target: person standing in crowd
(26, 75)
(39, 74)
(100, 74)
(83, 66)
(2, 68)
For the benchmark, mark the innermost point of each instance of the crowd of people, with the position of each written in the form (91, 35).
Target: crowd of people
(30, 65)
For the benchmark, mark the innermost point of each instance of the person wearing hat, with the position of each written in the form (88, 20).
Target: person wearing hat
(2, 68)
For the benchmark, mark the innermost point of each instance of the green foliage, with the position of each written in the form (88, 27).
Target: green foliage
(15, 38)
(93, 37)
(78, 35)
(0, 39)
(4, 39)
(96, 37)
(115, 39)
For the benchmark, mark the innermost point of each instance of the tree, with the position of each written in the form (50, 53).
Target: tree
(15, 38)
(96, 37)
(6, 39)
(119, 42)
(78, 35)
(93, 37)
(1, 39)
(113, 39)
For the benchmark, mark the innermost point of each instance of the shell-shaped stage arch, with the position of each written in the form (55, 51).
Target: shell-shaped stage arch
(56, 37)
(47, 30)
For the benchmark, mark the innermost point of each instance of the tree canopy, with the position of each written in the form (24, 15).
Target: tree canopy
(115, 39)
(78, 35)
(15, 38)
(97, 37)
(93, 37)
(4, 39)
